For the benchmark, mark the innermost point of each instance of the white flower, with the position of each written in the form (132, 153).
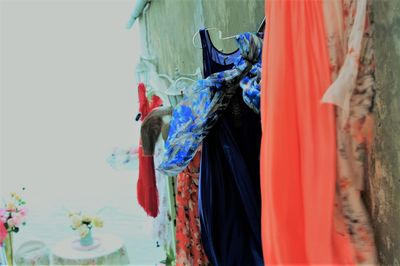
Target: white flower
(97, 222)
(83, 230)
(11, 222)
(86, 218)
(76, 221)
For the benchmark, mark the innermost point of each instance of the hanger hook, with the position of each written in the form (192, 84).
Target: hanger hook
(198, 32)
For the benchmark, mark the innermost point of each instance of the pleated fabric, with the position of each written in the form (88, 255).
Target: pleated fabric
(298, 150)
(229, 192)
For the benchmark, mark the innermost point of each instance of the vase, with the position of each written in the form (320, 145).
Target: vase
(87, 240)
(8, 247)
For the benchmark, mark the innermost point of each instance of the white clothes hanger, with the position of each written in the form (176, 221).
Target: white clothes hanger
(260, 29)
(170, 90)
(219, 36)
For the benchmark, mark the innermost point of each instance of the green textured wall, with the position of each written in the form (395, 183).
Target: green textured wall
(384, 182)
(169, 30)
(171, 25)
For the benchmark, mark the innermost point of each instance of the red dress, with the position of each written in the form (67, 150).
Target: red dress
(147, 194)
(189, 250)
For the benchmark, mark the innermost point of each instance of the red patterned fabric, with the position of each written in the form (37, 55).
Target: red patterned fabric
(147, 193)
(189, 250)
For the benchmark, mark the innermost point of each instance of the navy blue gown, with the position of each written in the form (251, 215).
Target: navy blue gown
(229, 185)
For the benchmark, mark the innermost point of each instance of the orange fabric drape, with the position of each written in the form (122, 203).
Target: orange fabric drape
(298, 152)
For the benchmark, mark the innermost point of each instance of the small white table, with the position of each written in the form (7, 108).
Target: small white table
(111, 251)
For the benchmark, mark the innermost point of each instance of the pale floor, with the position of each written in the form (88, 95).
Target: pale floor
(48, 221)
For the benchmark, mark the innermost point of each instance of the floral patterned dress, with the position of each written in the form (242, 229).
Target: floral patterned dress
(352, 61)
(189, 250)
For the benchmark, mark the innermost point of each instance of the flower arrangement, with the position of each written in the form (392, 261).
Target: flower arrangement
(12, 217)
(83, 223)
(13, 214)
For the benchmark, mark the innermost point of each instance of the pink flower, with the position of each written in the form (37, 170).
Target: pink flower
(2, 213)
(23, 211)
(18, 220)
(3, 233)
(14, 222)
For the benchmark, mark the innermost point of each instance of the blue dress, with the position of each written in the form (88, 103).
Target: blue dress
(222, 112)
(206, 100)
(229, 190)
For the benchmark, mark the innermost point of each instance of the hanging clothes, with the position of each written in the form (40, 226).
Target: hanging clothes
(189, 248)
(350, 43)
(204, 102)
(229, 193)
(162, 232)
(147, 194)
(298, 151)
(152, 136)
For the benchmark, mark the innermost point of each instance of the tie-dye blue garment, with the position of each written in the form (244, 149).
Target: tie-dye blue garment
(204, 102)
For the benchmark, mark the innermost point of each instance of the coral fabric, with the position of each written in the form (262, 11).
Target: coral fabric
(298, 152)
(189, 249)
(147, 194)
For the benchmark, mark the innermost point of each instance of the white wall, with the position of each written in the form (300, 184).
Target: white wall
(67, 98)
(67, 88)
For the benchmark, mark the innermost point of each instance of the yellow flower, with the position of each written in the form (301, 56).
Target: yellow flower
(13, 194)
(76, 221)
(86, 218)
(11, 206)
(83, 230)
(97, 222)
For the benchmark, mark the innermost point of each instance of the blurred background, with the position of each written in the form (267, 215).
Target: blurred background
(68, 99)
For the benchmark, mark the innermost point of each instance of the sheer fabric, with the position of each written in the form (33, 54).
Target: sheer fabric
(298, 151)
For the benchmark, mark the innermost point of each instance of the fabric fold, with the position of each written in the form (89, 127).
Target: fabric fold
(204, 102)
(147, 193)
(340, 91)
